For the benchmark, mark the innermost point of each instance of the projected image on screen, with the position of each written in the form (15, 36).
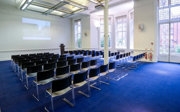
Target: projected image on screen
(34, 29)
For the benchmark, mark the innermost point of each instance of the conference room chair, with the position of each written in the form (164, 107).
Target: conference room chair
(23, 68)
(80, 80)
(72, 62)
(104, 70)
(61, 64)
(49, 66)
(93, 63)
(112, 67)
(63, 72)
(43, 78)
(31, 72)
(62, 59)
(42, 62)
(80, 60)
(85, 65)
(70, 58)
(94, 78)
(76, 68)
(59, 88)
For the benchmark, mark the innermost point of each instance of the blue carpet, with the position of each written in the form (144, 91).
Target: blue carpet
(152, 87)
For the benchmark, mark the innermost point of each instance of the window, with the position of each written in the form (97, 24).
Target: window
(77, 33)
(131, 30)
(102, 32)
(121, 38)
(169, 25)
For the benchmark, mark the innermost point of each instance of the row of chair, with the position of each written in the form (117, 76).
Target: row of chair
(64, 81)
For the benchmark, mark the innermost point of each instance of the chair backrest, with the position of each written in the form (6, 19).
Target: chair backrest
(52, 61)
(85, 64)
(42, 62)
(93, 62)
(80, 60)
(62, 70)
(61, 64)
(62, 59)
(117, 57)
(71, 62)
(103, 68)
(70, 57)
(112, 65)
(49, 66)
(62, 56)
(61, 84)
(27, 64)
(80, 77)
(94, 72)
(45, 75)
(34, 69)
(75, 67)
(120, 56)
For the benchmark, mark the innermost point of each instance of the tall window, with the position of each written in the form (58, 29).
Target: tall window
(121, 38)
(102, 32)
(131, 30)
(169, 26)
(77, 33)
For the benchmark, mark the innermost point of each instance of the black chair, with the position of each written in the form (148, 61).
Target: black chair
(42, 62)
(85, 65)
(79, 80)
(62, 59)
(49, 66)
(43, 78)
(63, 72)
(70, 58)
(93, 63)
(60, 87)
(112, 67)
(52, 61)
(72, 62)
(103, 72)
(74, 69)
(32, 72)
(80, 60)
(61, 64)
(94, 76)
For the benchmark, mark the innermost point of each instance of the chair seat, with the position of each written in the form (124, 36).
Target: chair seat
(103, 74)
(75, 72)
(63, 76)
(32, 75)
(112, 70)
(43, 82)
(58, 93)
(84, 69)
(93, 78)
(80, 84)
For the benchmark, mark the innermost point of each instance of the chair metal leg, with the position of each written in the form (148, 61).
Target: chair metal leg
(86, 95)
(92, 86)
(52, 104)
(26, 85)
(68, 102)
(104, 82)
(37, 90)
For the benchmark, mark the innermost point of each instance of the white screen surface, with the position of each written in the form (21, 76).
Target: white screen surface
(35, 29)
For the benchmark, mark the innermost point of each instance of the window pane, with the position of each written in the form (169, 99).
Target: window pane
(77, 34)
(163, 3)
(174, 2)
(164, 39)
(164, 14)
(175, 12)
(175, 38)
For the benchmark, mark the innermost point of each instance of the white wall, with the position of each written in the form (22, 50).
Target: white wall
(145, 13)
(11, 32)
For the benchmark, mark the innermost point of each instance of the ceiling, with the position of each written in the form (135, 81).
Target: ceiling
(62, 8)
